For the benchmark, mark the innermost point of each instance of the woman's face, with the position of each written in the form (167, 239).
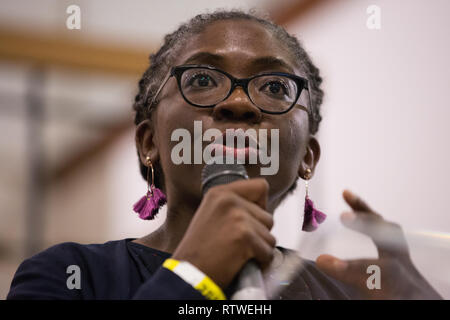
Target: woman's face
(243, 49)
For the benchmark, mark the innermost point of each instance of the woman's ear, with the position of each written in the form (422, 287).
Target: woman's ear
(145, 142)
(311, 157)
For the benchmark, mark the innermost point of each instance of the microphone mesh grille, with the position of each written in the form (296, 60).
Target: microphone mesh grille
(211, 174)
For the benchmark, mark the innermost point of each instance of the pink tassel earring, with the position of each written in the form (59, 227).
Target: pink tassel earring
(312, 217)
(148, 206)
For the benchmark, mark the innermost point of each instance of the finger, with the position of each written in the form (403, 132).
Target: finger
(356, 202)
(353, 272)
(262, 252)
(264, 233)
(257, 213)
(255, 190)
(388, 237)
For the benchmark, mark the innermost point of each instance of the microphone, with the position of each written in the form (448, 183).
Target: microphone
(250, 284)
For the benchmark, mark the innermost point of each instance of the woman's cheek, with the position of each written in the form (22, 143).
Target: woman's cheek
(294, 137)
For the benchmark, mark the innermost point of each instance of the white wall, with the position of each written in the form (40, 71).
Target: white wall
(385, 128)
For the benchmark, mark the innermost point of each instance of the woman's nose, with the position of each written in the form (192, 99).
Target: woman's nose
(237, 107)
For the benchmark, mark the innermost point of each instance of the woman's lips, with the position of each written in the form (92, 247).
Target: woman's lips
(245, 154)
(235, 143)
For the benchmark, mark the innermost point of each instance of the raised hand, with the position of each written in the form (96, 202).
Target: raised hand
(399, 277)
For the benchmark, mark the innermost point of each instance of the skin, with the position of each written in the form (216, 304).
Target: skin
(231, 224)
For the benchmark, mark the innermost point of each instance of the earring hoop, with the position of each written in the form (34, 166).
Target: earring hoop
(150, 164)
(149, 205)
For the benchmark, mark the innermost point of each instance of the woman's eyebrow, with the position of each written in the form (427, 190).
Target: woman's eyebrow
(204, 56)
(260, 62)
(269, 61)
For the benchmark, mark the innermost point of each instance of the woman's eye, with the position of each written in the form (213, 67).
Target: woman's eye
(202, 80)
(274, 87)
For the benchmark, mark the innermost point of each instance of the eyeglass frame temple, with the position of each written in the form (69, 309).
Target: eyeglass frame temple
(309, 96)
(169, 74)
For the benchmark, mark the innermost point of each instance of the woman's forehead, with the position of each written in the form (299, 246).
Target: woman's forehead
(237, 44)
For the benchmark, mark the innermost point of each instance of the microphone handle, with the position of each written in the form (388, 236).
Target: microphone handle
(250, 284)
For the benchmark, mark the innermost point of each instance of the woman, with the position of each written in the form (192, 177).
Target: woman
(211, 237)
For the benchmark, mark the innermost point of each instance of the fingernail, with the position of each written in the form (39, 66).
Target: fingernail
(340, 265)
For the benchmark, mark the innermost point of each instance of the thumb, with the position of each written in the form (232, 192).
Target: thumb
(351, 272)
(332, 266)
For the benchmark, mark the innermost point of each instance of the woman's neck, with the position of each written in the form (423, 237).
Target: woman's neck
(167, 237)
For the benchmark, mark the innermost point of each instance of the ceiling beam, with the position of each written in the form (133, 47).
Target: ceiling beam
(88, 152)
(54, 50)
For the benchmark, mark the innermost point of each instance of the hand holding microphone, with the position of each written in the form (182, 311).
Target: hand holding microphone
(230, 228)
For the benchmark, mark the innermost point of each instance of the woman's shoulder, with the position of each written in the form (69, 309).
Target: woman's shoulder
(52, 267)
(93, 258)
(78, 251)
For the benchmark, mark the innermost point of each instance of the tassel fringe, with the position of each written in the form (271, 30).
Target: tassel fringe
(312, 217)
(148, 206)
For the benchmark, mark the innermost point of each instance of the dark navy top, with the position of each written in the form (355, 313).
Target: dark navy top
(124, 269)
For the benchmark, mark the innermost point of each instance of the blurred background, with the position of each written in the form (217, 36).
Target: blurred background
(68, 164)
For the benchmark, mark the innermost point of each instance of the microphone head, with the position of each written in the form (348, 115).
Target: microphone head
(215, 174)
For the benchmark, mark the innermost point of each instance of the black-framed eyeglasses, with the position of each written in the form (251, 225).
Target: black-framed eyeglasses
(205, 86)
